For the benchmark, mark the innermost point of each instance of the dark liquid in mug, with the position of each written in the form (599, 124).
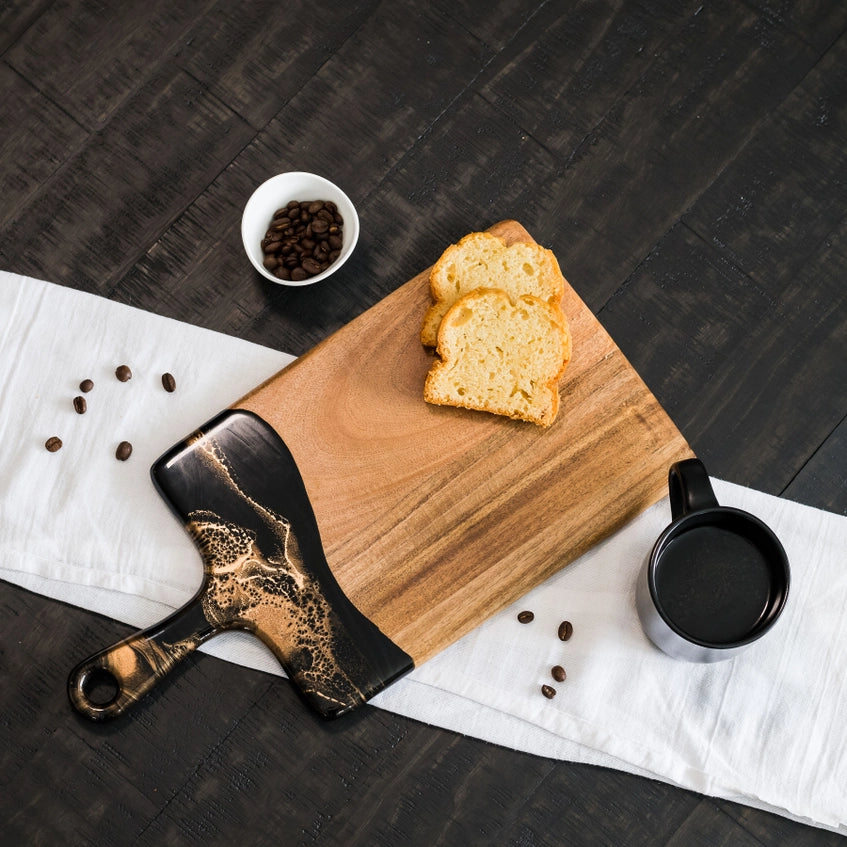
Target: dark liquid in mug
(713, 584)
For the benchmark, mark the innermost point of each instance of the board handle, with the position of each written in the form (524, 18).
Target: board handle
(238, 492)
(106, 684)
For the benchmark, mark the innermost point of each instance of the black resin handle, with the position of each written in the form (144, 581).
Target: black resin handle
(238, 491)
(106, 684)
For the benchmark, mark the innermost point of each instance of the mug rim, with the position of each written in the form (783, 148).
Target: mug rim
(701, 517)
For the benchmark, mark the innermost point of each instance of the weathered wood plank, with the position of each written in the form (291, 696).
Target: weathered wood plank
(647, 146)
(769, 829)
(15, 17)
(378, 97)
(778, 210)
(560, 77)
(767, 241)
(495, 28)
(24, 114)
(705, 827)
(820, 22)
(89, 58)
(464, 176)
(822, 481)
(721, 353)
(257, 56)
(99, 212)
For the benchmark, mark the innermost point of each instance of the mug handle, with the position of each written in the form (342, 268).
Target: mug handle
(689, 488)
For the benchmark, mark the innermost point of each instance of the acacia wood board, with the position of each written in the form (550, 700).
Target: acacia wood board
(434, 518)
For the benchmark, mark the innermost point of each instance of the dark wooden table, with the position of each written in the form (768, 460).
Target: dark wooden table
(685, 159)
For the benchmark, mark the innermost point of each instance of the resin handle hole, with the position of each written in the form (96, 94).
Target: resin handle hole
(100, 687)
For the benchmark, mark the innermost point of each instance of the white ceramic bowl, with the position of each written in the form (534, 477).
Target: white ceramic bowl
(275, 193)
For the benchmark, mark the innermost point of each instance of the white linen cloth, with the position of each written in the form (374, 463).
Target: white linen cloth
(767, 729)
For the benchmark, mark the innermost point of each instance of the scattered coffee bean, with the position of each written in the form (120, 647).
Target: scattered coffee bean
(80, 405)
(526, 617)
(168, 382)
(124, 451)
(86, 385)
(53, 443)
(123, 373)
(558, 673)
(548, 691)
(303, 239)
(565, 630)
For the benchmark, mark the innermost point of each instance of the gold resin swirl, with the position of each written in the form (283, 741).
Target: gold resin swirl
(264, 571)
(271, 593)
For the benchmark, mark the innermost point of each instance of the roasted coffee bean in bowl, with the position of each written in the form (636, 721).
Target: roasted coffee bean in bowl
(298, 228)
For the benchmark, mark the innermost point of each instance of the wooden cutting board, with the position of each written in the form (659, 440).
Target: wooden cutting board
(357, 530)
(434, 518)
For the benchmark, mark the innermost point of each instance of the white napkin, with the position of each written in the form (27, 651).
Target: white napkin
(763, 729)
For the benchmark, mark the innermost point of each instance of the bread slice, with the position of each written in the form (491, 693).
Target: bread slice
(501, 355)
(482, 260)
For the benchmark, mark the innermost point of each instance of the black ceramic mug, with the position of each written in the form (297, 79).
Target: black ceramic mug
(717, 578)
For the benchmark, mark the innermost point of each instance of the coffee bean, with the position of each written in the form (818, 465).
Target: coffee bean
(124, 451)
(123, 373)
(526, 617)
(548, 691)
(303, 239)
(311, 267)
(53, 443)
(565, 630)
(558, 673)
(168, 382)
(80, 405)
(86, 385)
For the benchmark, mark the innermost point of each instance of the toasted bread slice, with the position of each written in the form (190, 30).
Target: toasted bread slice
(501, 355)
(482, 260)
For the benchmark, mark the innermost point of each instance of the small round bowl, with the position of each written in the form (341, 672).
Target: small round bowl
(274, 194)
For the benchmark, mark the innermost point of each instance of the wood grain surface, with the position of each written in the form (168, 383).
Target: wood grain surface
(435, 518)
(684, 159)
